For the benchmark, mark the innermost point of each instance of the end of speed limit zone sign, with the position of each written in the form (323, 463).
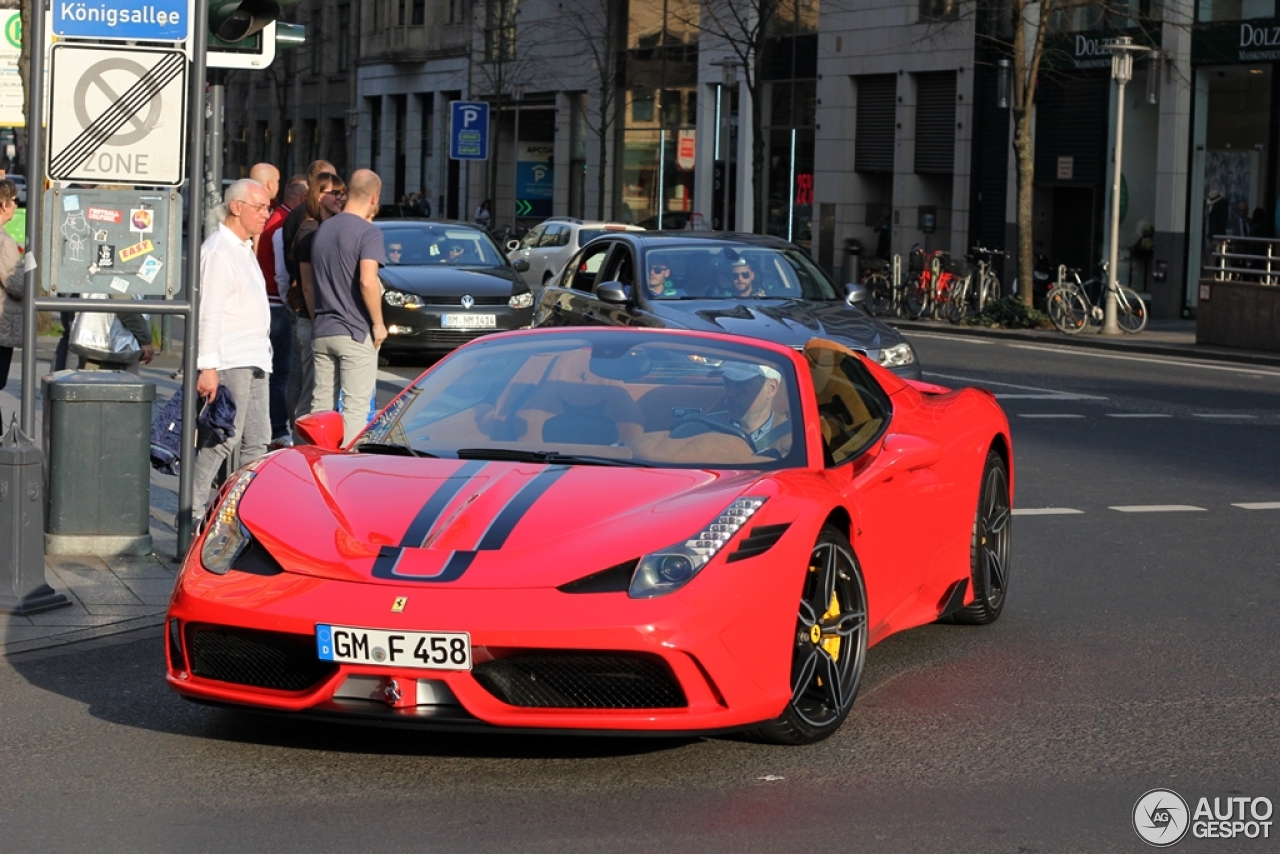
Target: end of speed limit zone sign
(117, 116)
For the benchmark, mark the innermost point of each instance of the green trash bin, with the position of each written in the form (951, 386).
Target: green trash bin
(97, 440)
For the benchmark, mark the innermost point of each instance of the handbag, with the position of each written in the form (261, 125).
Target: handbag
(100, 337)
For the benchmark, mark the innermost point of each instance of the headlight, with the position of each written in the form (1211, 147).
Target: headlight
(662, 572)
(897, 355)
(524, 300)
(227, 537)
(400, 299)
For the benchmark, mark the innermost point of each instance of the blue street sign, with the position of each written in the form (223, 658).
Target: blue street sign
(155, 20)
(468, 130)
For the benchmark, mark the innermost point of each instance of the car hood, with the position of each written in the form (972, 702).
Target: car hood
(473, 523)
(790, 322)
(443, 280)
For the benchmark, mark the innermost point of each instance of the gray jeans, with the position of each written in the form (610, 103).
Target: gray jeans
(251, 390)
(342, 362)
(302, 377)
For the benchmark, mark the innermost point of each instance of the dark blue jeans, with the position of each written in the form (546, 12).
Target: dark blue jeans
(281, 344)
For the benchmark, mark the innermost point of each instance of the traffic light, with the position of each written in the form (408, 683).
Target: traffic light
(246, 34)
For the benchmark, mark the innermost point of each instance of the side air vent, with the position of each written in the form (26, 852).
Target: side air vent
(581, 680)
(256, 560)
(615, 579)
(759, 541)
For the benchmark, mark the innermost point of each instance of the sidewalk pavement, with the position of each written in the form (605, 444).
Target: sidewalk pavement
(113, 595)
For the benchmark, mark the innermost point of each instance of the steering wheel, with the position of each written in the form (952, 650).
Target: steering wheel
(686, 428)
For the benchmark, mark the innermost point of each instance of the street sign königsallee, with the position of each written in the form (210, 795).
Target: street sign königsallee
(155, 20)
(468, 130)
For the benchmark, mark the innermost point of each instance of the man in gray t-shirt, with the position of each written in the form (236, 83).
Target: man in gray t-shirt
(348, 330)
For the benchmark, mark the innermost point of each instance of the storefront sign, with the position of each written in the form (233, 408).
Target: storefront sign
(1063, 51)
(1237, 41)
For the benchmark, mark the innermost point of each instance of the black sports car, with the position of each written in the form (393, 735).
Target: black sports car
(762, 287)
(444, 284)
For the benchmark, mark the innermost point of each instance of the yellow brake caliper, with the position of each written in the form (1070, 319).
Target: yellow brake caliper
(831, 644)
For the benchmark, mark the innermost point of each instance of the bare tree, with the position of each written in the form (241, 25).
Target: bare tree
(600, 27)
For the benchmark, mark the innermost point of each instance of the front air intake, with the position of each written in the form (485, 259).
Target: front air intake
(259, 659)
(581, 680)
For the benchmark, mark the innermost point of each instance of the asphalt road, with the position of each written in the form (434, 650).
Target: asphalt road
(1138, 649)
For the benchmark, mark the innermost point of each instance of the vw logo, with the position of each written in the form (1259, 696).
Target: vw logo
(468, 301)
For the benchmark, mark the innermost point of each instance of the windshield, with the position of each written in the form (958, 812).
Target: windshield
(716, 271)
(409, 245)
(601, 397)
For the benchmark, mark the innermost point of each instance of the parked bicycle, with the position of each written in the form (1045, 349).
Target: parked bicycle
(931, 285)
(883, 298)
(1074, 304)
(977, 287)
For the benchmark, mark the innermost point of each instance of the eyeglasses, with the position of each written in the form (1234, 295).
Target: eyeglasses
(262, 208)
(340, 197)
(456, 250)
(744, 275)
(659, 268)
(394, 250)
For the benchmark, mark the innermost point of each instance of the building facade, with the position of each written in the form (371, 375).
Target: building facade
(829, 122)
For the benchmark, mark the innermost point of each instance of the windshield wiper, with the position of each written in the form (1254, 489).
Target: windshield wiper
(543, 457)
(392, 449)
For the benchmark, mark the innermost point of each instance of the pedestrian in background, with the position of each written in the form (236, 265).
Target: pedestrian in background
(12, 287)
(235, 330)
(268, 176)
(345, 258)
(484, 214)
(300, 377)
(324, 201)
(271, 260)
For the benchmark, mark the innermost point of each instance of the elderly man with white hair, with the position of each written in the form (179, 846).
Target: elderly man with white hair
(235, 331)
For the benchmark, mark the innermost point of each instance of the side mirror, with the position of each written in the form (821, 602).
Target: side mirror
(513, 245)
(521, 265)
(613, 292)
(854, 293)
(322, 429)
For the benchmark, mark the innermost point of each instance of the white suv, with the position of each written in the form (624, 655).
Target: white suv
(548, 246)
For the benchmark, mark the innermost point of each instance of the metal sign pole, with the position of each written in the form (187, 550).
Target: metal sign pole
(35, 192)
(195, 220)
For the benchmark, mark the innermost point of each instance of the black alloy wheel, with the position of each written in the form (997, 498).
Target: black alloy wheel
(990, 548)
(830, 646)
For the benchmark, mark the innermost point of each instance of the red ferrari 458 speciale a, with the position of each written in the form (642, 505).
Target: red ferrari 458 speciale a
(609, 530)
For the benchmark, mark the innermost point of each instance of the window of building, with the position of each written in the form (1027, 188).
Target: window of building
(500, 30)
(1234, 10)
(344, 36)
(938, 10)
(877, 103)
(314, 39)
(935, 123)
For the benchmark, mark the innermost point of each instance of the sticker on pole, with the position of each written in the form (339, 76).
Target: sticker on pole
(120, 115)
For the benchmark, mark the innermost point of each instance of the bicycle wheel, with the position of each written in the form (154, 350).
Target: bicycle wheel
(958, 299)
(879, 293)
(1131, 310)
(990, 290)
(917, 297)
(1068, 310)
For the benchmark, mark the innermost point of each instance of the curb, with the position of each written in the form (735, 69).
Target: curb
(1095, 342)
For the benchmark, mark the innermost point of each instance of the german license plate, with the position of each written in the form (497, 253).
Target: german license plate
(469, 321)
(382, 647)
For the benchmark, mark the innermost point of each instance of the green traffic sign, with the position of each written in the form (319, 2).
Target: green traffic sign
(13, 31)
(524, 207)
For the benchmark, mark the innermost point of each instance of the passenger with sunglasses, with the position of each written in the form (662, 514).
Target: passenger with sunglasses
(660, 285)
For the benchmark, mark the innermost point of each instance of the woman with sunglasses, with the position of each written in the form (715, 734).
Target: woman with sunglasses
(326, 198)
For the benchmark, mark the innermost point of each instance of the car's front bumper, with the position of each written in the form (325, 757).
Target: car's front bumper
(423, 330)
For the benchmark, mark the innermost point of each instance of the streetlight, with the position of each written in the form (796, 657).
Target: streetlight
(1122, 50)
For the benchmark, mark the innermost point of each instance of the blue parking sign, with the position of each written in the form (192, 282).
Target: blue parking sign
(468, 130)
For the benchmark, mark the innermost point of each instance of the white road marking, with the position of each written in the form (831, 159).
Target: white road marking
(1157, 508)
(1062, 396)
(1137, 415)
(1258, 505)
(1155, 360)
(967, 339)
(1046, 511)
(1038, 389)
(1219, 415)
(1048, 415)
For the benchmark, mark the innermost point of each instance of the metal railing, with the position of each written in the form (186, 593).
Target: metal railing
(1253, 259)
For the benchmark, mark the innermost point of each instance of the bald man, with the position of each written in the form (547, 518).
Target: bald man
(348, 330)
(268, 176)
